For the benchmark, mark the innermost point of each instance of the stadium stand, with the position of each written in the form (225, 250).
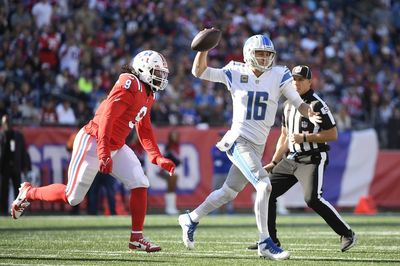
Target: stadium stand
(71, 51)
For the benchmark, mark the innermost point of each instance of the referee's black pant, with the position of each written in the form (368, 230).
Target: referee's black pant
(308, 170)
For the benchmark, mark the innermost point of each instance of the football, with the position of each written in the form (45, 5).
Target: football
(206, 40)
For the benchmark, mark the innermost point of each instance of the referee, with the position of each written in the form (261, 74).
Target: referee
(302, 155)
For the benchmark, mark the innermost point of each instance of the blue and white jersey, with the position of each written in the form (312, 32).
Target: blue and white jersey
(255, 99)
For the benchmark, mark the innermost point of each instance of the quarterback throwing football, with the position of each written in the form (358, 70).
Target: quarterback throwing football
(255, 87)
(100, 145)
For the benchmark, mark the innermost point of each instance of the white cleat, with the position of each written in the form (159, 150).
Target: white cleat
(268, 249)
(20, 203)
(188, 229)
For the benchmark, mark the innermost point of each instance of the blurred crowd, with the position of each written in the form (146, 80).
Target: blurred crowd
(59, 58)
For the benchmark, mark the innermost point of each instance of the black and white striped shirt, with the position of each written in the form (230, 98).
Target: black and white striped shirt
(294, 122)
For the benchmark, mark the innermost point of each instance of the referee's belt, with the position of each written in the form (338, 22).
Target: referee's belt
(292, 155)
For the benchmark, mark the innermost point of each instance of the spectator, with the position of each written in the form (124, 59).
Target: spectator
(14, 112)
(205, 103)
(65, 113)
(42, 12)
(13, 161)
(188, 113)
(385, 114)
(84, 112)
(29, 113)
(21, 17)
(49, 43)
(3, 20)
(353, 59)
(353, 102)
(85, 83)
(49, 114)
(342, 118)
(62, 79)
(69, 57)
(87, 17)
(394, 130)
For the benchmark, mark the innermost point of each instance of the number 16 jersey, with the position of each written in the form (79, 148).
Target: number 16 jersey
(254, 99)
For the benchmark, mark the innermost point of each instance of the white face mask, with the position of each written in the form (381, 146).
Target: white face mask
(152, 69)
(160, 79)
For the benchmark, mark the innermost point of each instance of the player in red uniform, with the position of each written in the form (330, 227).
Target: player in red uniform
(100, 146)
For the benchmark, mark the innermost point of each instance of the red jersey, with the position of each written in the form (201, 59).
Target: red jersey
(127, 105)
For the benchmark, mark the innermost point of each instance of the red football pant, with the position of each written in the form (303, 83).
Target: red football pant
(50, 193)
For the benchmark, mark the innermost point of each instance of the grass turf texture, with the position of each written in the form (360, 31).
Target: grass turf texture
(220, 240)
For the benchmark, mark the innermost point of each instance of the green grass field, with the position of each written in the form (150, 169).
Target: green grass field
(220, 240)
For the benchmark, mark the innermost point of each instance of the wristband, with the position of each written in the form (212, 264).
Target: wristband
(275, 163)
(304, 137)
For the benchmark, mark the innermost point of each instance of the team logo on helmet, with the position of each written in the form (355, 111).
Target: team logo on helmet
(152, 69)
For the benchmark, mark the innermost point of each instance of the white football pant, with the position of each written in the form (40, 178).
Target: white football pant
(84, 166)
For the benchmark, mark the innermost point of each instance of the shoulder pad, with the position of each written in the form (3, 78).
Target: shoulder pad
(235, 65)
(280, 69)
(129, 81)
